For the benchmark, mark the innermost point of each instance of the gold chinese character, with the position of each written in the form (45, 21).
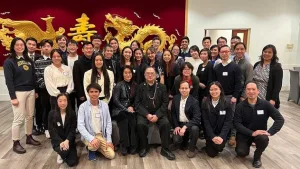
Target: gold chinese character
(82, 32)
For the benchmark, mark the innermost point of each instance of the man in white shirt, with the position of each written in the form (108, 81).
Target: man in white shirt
(186, 116)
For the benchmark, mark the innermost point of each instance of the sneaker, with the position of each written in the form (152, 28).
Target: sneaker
(47, 134)
(92, 155)
(59, 160)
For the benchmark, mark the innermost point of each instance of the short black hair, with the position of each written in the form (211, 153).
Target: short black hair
(236, 37)
(32, 39)
(185, 38)
(221, 38)
(156, 38)
(72, 41)
(86, 43)
(224, 46)
(53, 51)
(183, 81)
(240, 43)
(251, 82)
(188, 64)
(205, 38)
(44, 41)
(94, 86)
(60, 37)
(96, 36)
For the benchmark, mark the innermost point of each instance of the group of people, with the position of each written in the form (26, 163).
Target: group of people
(214, 93)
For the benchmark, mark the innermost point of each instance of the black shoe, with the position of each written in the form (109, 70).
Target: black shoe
(143, 152)
(123, 151)
(132, 150)
(167, 153)
(257, 163)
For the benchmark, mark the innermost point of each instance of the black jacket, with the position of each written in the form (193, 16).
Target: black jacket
(123, 97)
(139, 71)
(205, 75)
(60, 133)
(81, 65)
(194, 88)
(143, 103)
(274, 83)
(248, 119)
(217, 120)
(170, 78)
(191, 110)
(115, 68)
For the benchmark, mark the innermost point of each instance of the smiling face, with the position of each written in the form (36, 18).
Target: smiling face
(184, 44)
(151, 55)
(240, 51)
(46, 49)
(19, 47)
(108, 53)
(252, 91)
(134, 46)
(97, 43)
(62, 102)
(62, 43)
(187, 71)
(268, 54)
(156, 43)
(98, 61)
(184, 89)
(194, 54)
(72, 48)
(206, 43)
(150, 75)
(204, 56)
(225, 53)
(56, 59)
(114, 44)
(175, 51)
(127, 74)
(88, 50)
(31, 46)
(94, 94)
(215, 91)
(167, 56)
(138, 55)
(215, 52)
(127, 53)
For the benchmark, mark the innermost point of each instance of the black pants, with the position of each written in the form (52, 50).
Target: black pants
(127, 128)
(142, 130)
(191, 134)
(213, 149)
(69, 156)
(243, 144)
(38, 113)
(72, 98)
(46, 107)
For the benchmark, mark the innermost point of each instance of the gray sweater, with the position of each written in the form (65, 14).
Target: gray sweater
(247, 73)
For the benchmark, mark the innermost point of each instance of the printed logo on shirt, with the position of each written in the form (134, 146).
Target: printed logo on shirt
(25, 67)
(23, 62)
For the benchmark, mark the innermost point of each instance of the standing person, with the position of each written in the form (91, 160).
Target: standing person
(245, 66)
(62, 128)
(62, 42)
(250, 120)
(97, 41)
(139, 65)
(221, 41)
(214, 49)
(20, 82)
(94, 124)
(268, 75)
(156, 41)
(58, 78)
(177, 54)
(233, 42)
(156, 64)
(135, 45)
(206, 42)
(126, 58)
(124, 111)
(40, 65)
(82, 65)
(217, 118)
(152, 104)
(111, 64)
(100, 75)
(186, 119)
(195, 58)
(69, 61)
(185, 41)
(114, 43)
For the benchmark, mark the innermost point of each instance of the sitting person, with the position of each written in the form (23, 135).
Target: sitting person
(94, 124)
(217, 119)
(250, 120)
(151, 104)
(62, 128)
(124, 111)
(186, 117)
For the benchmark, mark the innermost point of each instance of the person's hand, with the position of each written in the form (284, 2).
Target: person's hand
(202, 85)
(182, 131)
(149, 117)
(61, 146)
(130, 109)
(15, 102)
(65, 145)
(109, 145)
(36, 95)
(219, 140)
(233, 100)
(95, 143)
(177, 130)
(260, 132)
(215, 140)
(154, 119)
(272, 102)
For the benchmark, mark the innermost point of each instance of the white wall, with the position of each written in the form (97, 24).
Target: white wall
(271, 22)
(215, 34)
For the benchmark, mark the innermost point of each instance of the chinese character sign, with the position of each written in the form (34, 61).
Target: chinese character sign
(82, 30)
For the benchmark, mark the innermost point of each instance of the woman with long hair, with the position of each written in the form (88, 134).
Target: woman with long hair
(114, 43)
(124, 111)
(139, 65)
(156, 64)
(126, 57)
(99, 74)
(135, 45)
(177, 54)
(217, 117)
(268, 75)
(20, 81)
(62, 128)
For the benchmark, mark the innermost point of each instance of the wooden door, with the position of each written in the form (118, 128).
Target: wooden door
(243, 34)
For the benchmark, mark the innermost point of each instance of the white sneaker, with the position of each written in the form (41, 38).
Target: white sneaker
(47, 134)
(59, 160)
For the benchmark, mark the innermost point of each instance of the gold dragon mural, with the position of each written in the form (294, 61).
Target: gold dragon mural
(25, 29)
(125, 29)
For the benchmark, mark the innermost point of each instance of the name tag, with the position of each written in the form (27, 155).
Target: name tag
(222, 112)
(260, 112)
(58, 124)
(225, 73)
(203, 69)
(97, 115)
(133, 70)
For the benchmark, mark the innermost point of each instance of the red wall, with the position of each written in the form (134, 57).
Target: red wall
(171, 12)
